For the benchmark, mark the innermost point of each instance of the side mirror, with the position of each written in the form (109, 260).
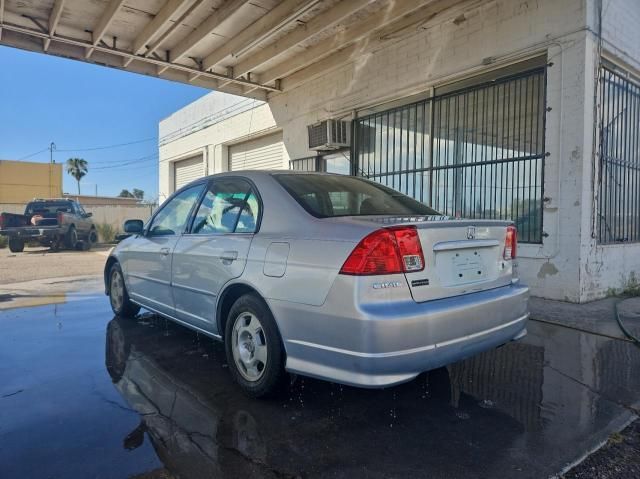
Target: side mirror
(88, 215)
(133, 227)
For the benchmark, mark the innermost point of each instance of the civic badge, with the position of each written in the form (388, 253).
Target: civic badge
(471, 232)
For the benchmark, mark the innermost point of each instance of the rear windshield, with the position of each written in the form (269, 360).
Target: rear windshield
(327, 196)
(49, 208)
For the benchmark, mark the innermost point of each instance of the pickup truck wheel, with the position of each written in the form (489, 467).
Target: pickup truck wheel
(253, 347)
(55, 245)
(71, 238)
(118, 296)
(16, 245)
(92, 238)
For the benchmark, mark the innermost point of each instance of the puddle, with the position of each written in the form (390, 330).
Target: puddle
(131, 397)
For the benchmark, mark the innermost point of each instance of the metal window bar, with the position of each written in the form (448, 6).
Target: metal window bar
(310, 163)
(619, 159)
(477, 152)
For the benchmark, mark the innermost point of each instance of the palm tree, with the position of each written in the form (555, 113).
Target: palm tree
(77, 167)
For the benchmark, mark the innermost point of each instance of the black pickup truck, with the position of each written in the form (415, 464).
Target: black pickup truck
(52, 222)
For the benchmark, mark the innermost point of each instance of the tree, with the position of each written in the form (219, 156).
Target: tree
(126, 194)
(78, 168)
(139, 194)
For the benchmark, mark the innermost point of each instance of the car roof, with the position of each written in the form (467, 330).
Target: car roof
(265, 173)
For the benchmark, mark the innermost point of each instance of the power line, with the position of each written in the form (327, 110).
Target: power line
(33, 154)
(126, 163)
(95, 148)
(106, 147)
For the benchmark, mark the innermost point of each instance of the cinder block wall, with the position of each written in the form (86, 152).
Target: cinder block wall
(606, 267)
(473, 38)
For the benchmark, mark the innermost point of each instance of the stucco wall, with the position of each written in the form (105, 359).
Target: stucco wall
(211, 142)
(114, 215)
(23, 181)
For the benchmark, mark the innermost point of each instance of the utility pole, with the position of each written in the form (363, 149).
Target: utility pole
(52, 147)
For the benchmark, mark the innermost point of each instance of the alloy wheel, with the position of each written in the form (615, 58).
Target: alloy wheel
(116, 290)
(249, 346)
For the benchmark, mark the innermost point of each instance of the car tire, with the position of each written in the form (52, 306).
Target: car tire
(119, 299)
(71, 239)
(253, 347)
(92, 238)
(16, 245)
(55, 245)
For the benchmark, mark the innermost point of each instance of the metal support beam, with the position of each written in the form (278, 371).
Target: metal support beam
(124, 54)
(392, 12)
(103, 24)
(155, 26)
(433, 12)
(318, 24)
(282, 14)
(54, 18)
(203, 30)
(158, 43)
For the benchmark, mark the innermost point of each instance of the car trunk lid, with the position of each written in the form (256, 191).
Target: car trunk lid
(461, 256)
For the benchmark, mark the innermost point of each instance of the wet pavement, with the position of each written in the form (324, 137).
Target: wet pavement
(83, 394)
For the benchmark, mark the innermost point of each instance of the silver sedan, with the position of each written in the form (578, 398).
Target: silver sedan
(328, 276)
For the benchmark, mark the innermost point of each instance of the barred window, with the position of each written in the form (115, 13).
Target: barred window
(476, 152)
(619, 146)
(309, 163)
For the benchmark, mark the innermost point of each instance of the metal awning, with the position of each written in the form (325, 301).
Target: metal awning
(244, 47)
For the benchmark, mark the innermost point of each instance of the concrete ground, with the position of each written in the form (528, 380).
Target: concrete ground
(84, 394)
(42, 263)
(40, 276)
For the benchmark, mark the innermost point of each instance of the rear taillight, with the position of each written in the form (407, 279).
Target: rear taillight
(386, 251)
(511, 243)
(59, 217)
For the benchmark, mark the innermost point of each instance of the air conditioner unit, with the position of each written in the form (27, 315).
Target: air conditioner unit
(329, 135)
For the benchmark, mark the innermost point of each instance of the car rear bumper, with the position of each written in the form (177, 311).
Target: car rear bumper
(32, 232)
(392, 342)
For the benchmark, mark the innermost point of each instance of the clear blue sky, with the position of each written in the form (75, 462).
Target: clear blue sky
(79, 106)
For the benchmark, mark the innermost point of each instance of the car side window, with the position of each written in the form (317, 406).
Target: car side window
(173, 216)
(228, 206)
(81, 211)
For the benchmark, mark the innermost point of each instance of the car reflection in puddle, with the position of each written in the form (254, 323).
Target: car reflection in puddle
(524, 410)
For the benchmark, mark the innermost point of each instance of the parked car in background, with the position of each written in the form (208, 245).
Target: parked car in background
(50, 222)
(329, 276)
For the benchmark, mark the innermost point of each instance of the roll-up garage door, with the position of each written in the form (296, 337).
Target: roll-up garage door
(264, 153)
(188, 170)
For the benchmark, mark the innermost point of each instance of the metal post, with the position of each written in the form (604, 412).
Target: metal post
(52, 147)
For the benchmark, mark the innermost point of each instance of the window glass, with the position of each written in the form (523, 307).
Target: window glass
(337, 195)
(49, 209)
(81, 210)
(174, 215)
(228, 206)
(474, 150)
(619, 153)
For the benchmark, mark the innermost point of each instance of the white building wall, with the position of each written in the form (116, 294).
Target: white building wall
(498, 33)
(606, 268)
(476, 38)
(207, 127)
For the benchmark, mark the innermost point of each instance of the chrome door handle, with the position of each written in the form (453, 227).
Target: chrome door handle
(229, 256)
(164, 251)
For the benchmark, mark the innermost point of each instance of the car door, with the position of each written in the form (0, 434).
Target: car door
(214, 250)
(82, 221)
(147, 261)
